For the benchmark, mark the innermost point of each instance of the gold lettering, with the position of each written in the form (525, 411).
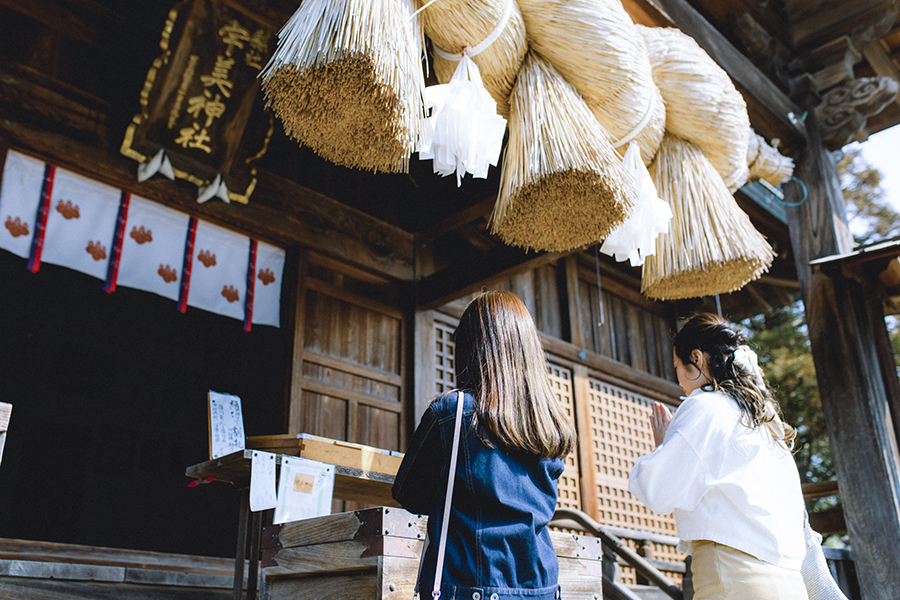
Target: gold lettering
(233, 36)
(213, 108)
(259, 47)
(219, 76)
(194, 137)
(182, 90)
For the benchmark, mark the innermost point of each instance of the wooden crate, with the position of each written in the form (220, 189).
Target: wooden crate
(373, 554)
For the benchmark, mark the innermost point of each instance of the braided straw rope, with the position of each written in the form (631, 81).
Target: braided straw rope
(562, 185)
(765, 162)
(711, 247)
(596, 48)
(346, 80)
(702, 104)
(453, 25)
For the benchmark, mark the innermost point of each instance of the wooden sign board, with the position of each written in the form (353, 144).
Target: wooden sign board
(201, 103)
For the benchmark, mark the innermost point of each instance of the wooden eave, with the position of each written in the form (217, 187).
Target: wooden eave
(415, 227)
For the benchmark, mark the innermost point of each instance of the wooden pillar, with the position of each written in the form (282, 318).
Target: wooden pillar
(296, 265)
(849, 375)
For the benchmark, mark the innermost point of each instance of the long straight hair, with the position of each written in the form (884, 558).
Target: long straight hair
(714, 336)
(499, 356)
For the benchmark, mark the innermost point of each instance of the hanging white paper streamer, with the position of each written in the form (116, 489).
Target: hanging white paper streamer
(635, 239)
(158, 164)
(262, 481)
(464, 132)
(216, 189)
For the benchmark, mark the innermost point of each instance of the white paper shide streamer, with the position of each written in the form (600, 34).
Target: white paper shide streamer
(464, 133)
(635, 239)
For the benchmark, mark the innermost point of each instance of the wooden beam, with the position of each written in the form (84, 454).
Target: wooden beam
(466, 276)
(60, 19)
(765, 100)
(881, 63)
(457, 220)
(843, 339)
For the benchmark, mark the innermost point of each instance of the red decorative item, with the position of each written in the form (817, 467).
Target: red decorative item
(230, 294)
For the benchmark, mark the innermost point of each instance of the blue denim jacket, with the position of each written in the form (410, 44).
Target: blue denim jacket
(498, 544)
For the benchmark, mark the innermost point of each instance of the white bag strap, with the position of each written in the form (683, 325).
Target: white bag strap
(451, 476)
(442, 545)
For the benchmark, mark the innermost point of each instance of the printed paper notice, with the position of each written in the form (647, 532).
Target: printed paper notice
(305, 489)
(226, 424)
(262, 481)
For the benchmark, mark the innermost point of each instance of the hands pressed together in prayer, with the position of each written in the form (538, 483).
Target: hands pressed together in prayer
(659, 422)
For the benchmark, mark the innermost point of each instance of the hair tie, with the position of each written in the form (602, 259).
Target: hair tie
(748, 359)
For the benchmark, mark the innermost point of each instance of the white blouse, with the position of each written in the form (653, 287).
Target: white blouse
(725, 482)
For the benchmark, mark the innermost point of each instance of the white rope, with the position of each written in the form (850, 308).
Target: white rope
(640, 126)
(485, 43)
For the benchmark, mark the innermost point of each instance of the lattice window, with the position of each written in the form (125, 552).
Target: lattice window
(444, 352)
(569, 486)
(620, 433)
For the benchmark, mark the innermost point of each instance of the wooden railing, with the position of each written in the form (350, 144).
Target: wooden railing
(568, 518)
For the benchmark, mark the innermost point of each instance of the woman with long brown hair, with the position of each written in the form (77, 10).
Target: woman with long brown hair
(514, 435)
(723, 465)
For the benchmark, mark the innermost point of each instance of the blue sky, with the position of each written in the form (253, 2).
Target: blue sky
(882, 151)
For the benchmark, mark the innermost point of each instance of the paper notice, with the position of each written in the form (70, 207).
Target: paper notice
(305, 489)
(262, 481)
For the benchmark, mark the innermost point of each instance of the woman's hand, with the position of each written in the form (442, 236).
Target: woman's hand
(659, 422)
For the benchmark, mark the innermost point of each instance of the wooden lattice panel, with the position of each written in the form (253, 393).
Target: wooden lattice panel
(569, 485)
(620, 434)
(444, 361)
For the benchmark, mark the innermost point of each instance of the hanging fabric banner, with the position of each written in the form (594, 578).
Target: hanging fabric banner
(153, 248)
(219, 271)
(80, 224)
(20, 196)
(267, 285)
(56, 216)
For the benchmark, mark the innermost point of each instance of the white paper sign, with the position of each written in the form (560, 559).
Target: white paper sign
(226, 424)
(262, 481)
(305, 489)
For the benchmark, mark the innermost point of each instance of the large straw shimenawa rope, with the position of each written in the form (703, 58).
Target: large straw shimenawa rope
(347, 81)
(702, 104)
(596, 48)
(562, 185)
(765, 162)
(453, 25)
(711, 247)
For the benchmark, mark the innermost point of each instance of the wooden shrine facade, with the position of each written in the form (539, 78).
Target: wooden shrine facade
(378, 268)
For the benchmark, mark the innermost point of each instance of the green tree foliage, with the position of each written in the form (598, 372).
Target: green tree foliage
(873, 217)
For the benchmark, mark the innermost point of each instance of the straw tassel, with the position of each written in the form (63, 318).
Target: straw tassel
(346, 81)
(454, 25)
(562, 186)
(712, 247)
(702, 104)
(596, 48)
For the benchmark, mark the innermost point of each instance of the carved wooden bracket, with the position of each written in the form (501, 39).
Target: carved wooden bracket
(845, 108)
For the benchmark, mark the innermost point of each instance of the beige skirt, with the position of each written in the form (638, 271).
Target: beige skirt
(720, 572)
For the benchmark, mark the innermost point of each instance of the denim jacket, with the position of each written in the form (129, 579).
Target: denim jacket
(498, 544)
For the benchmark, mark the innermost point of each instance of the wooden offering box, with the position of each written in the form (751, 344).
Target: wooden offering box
(362, 473)
(373, 554)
